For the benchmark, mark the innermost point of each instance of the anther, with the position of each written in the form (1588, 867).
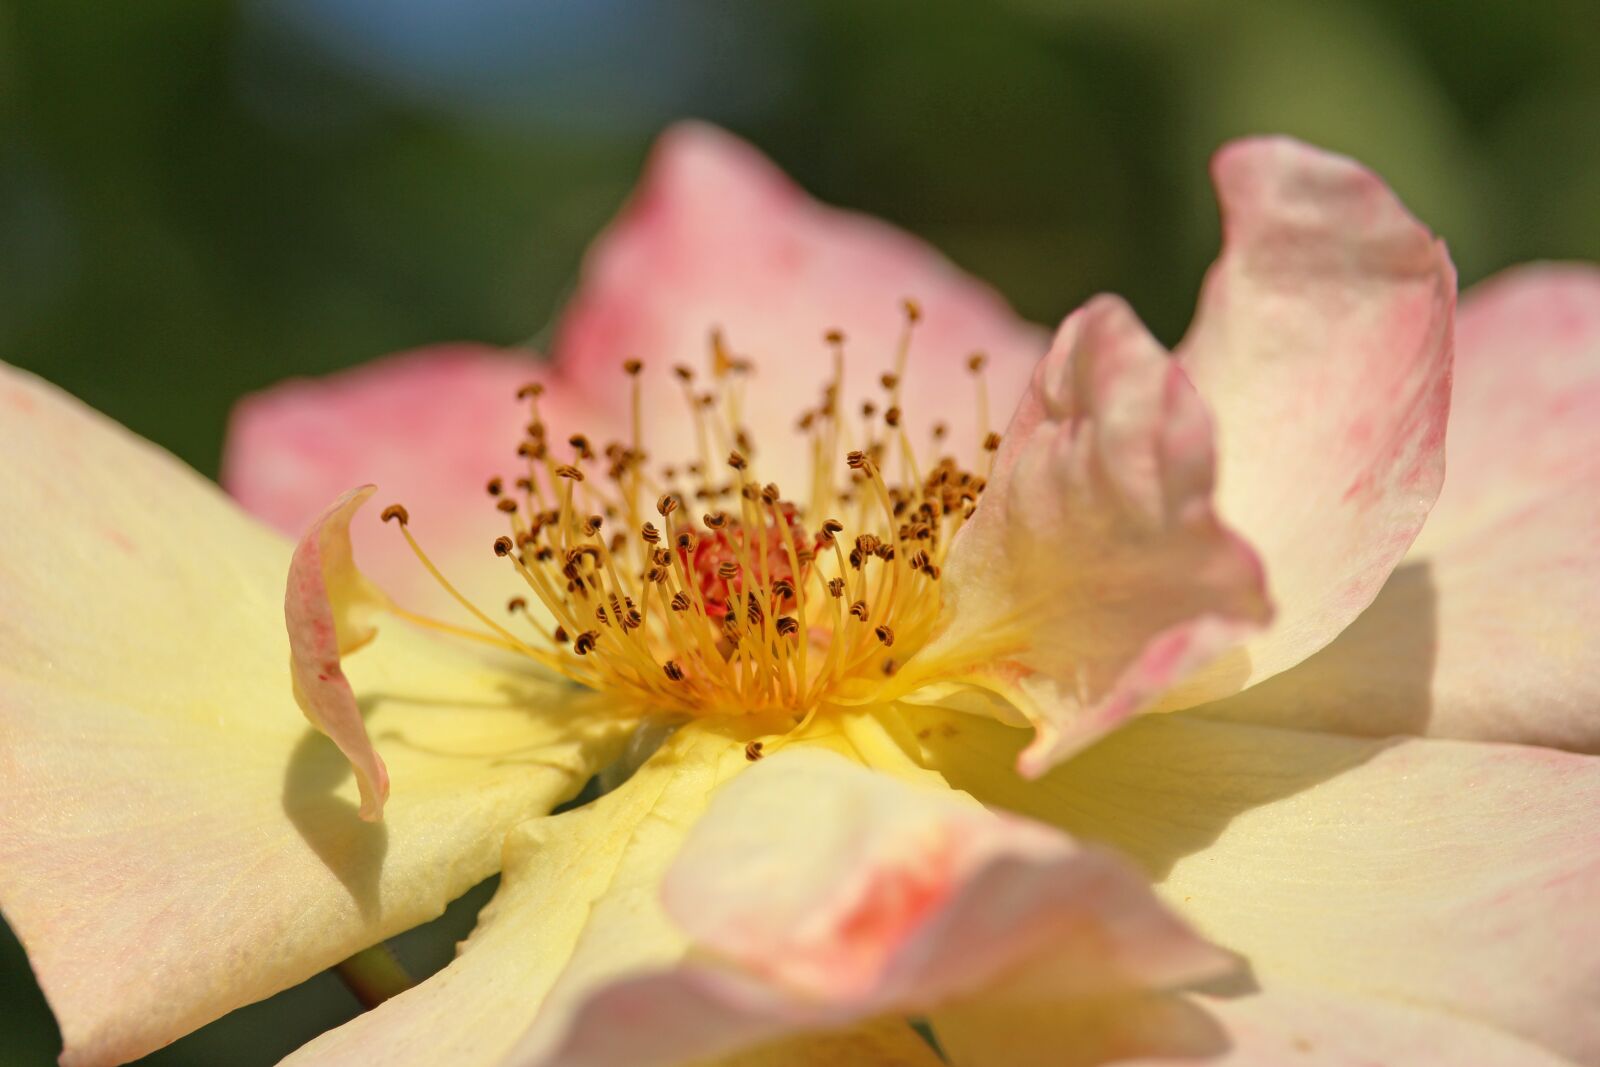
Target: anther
(666, 504)
(830, 529)
(834, 337)
(680, 601)
(568, 471)
(769, 493)
(787, 625)
(396, 511)
(503, 546)
(892, 417)
(516, 604)
(991, 441)
(752, 751)
(650, 534)
(506, 504)
(890, 381)
(727, 570)
(683, 373)
(856, 459)
(560, 635)
(495, 486)
(885, 635)
(859, 610)
(632, 367)
(585, 642)
(976, 361)
(580, 444)
(716, 520)
(913, 309)
(592, 524)
(836, 586)
(531, 389)
(672, 670)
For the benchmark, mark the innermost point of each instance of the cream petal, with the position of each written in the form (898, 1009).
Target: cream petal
(1322, 347)
(1453, 876)
(884, 897)
(174, 840)
(716, 236)
(432, 427)
(1489, 629)
(1094, 574)
(1271, 1027)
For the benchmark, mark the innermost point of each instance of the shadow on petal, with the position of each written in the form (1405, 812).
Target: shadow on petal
(351, 848)
(1375, 680)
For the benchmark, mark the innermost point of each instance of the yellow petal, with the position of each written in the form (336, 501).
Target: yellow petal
(175, 841)
(1455, 876)
(579, 904)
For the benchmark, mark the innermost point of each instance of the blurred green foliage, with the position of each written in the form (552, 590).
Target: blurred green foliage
(200, 198)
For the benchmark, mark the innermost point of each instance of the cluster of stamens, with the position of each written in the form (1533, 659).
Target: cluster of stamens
(755, 604)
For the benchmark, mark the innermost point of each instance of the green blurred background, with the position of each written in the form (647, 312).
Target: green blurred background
(197, 198)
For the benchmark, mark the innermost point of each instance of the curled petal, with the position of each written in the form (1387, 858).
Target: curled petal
(325, 609)
(717, 237)
(1489, 628)
(1322, 346)
(1095, 574)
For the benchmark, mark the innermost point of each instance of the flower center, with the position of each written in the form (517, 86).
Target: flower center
(761, 603)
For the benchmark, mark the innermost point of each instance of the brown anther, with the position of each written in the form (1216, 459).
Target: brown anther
(716, 520)
(672, 670)
(397, 511)
(495, 486)
(892, 417)
(585, 642)
(939, 431)
(782, 588)
(619, 541)
(889, 380)
(836, 586)
(686, 541)
(868, 409)
(769, 493)
(830, 529)
(885, 635)
(632, 367)
(592, 524)
(525, 484)
(834, 337)
(752, 609)
(912, 309)
(807, 420)
(752, 751)
(506, 504)
(749, 492)
(568, 471)
(560, 635)
(503, 546)
(650, 534)
(727, 570)
(991, 441)
(933, 571)
(666, 504)
(890, 666)
(661, 557)
(976, 361)
(787, 625)
(656, 574)
(856, 460)
(531, 389)
(680, 601)
(684, 373)
(544, 554)
(859, 610)
(516, 604)
(856, 559)
(580, 444)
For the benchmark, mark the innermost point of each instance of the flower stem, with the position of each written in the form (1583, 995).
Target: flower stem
(374, 975)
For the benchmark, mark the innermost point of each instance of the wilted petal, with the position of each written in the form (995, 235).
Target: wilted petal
(1322, 347)
(817, 893)
(1455, 877)
(174, 840)
(431, 427)
(1490, 628)
(717, 237)
(1094, 574)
